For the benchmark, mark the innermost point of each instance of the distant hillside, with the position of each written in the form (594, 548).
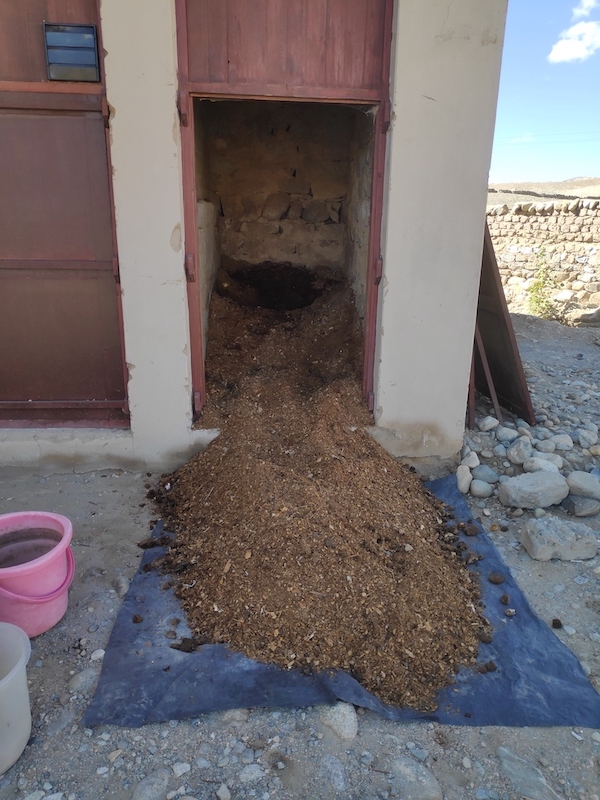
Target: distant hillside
(511, 193)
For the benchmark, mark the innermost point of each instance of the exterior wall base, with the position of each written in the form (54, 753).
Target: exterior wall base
(49, 450)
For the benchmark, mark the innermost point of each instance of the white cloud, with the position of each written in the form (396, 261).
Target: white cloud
(577, 43)
(585, 8)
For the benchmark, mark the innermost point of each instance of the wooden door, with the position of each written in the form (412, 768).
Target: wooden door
(319, 50)
(61, 354)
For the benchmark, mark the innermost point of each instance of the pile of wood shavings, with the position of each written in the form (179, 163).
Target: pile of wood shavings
(299, 540)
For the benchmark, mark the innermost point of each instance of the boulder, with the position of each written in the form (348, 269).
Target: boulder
(581, 506)
(583, 484)
(550, 537)
(539, 465)
(533, 490)
(520, 450)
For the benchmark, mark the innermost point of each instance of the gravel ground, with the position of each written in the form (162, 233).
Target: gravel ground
(316, 752)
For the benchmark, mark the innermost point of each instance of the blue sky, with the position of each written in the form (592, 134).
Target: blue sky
(548, 120)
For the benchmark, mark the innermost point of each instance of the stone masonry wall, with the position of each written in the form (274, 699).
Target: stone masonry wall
(563, 235)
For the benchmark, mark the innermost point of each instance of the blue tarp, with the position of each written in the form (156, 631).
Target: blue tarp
(538, 681)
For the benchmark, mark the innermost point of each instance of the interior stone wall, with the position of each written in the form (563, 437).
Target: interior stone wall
(289, 182)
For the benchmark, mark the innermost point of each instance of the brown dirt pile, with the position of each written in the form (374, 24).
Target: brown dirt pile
(299, 540)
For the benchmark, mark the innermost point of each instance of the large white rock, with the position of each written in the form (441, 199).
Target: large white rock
(583, 484)
(519, 450)
(550, 537)
(539, 465)
(533, 490)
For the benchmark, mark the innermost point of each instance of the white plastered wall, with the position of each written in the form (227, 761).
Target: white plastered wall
(445, 75)
(444, 89)
(139, 39)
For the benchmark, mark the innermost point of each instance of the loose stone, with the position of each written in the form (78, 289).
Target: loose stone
(563, 441)
(481, 489)
(581, 506)
(539, 465)
(470, 460)
(587, 438)
(526, 779)
(223, 792)
(504, 434)
(342, 720)
(487, 424)
(463, 478)
(519, 450)
(551, 537)
(485, 473)
(584, 485)
(153, 787)
(533, 490)
(251, 774)
(414, 781)
(545, 446)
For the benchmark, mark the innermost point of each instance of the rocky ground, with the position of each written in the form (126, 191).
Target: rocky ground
(326, 752)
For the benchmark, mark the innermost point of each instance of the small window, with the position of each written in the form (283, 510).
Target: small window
(71, 53)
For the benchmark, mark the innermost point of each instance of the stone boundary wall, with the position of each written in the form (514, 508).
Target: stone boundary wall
(562, 235)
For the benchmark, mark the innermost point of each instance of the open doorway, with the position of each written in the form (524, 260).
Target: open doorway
(283, 201)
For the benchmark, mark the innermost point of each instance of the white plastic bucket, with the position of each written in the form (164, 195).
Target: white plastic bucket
(15, 711)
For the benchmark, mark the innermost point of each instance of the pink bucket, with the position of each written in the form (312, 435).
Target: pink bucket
(36, 569)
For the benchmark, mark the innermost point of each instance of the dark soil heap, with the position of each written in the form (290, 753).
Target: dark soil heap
(299, 540)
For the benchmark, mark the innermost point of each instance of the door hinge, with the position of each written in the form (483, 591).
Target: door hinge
(190, 268)
(115, 270)
(371, 401)
(105, 111)
(196, 403)
(386, 115)
(182, 107)
(378, 274)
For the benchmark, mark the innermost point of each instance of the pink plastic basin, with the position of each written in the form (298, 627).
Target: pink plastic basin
(36, 569)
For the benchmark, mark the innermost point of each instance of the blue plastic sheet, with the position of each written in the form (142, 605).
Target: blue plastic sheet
(538, 681)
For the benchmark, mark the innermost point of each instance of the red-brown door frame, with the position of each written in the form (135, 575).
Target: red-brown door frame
(375, 265)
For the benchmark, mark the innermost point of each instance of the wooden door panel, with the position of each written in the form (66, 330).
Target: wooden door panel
(59, 336)
(55, 201)
(272, 46)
